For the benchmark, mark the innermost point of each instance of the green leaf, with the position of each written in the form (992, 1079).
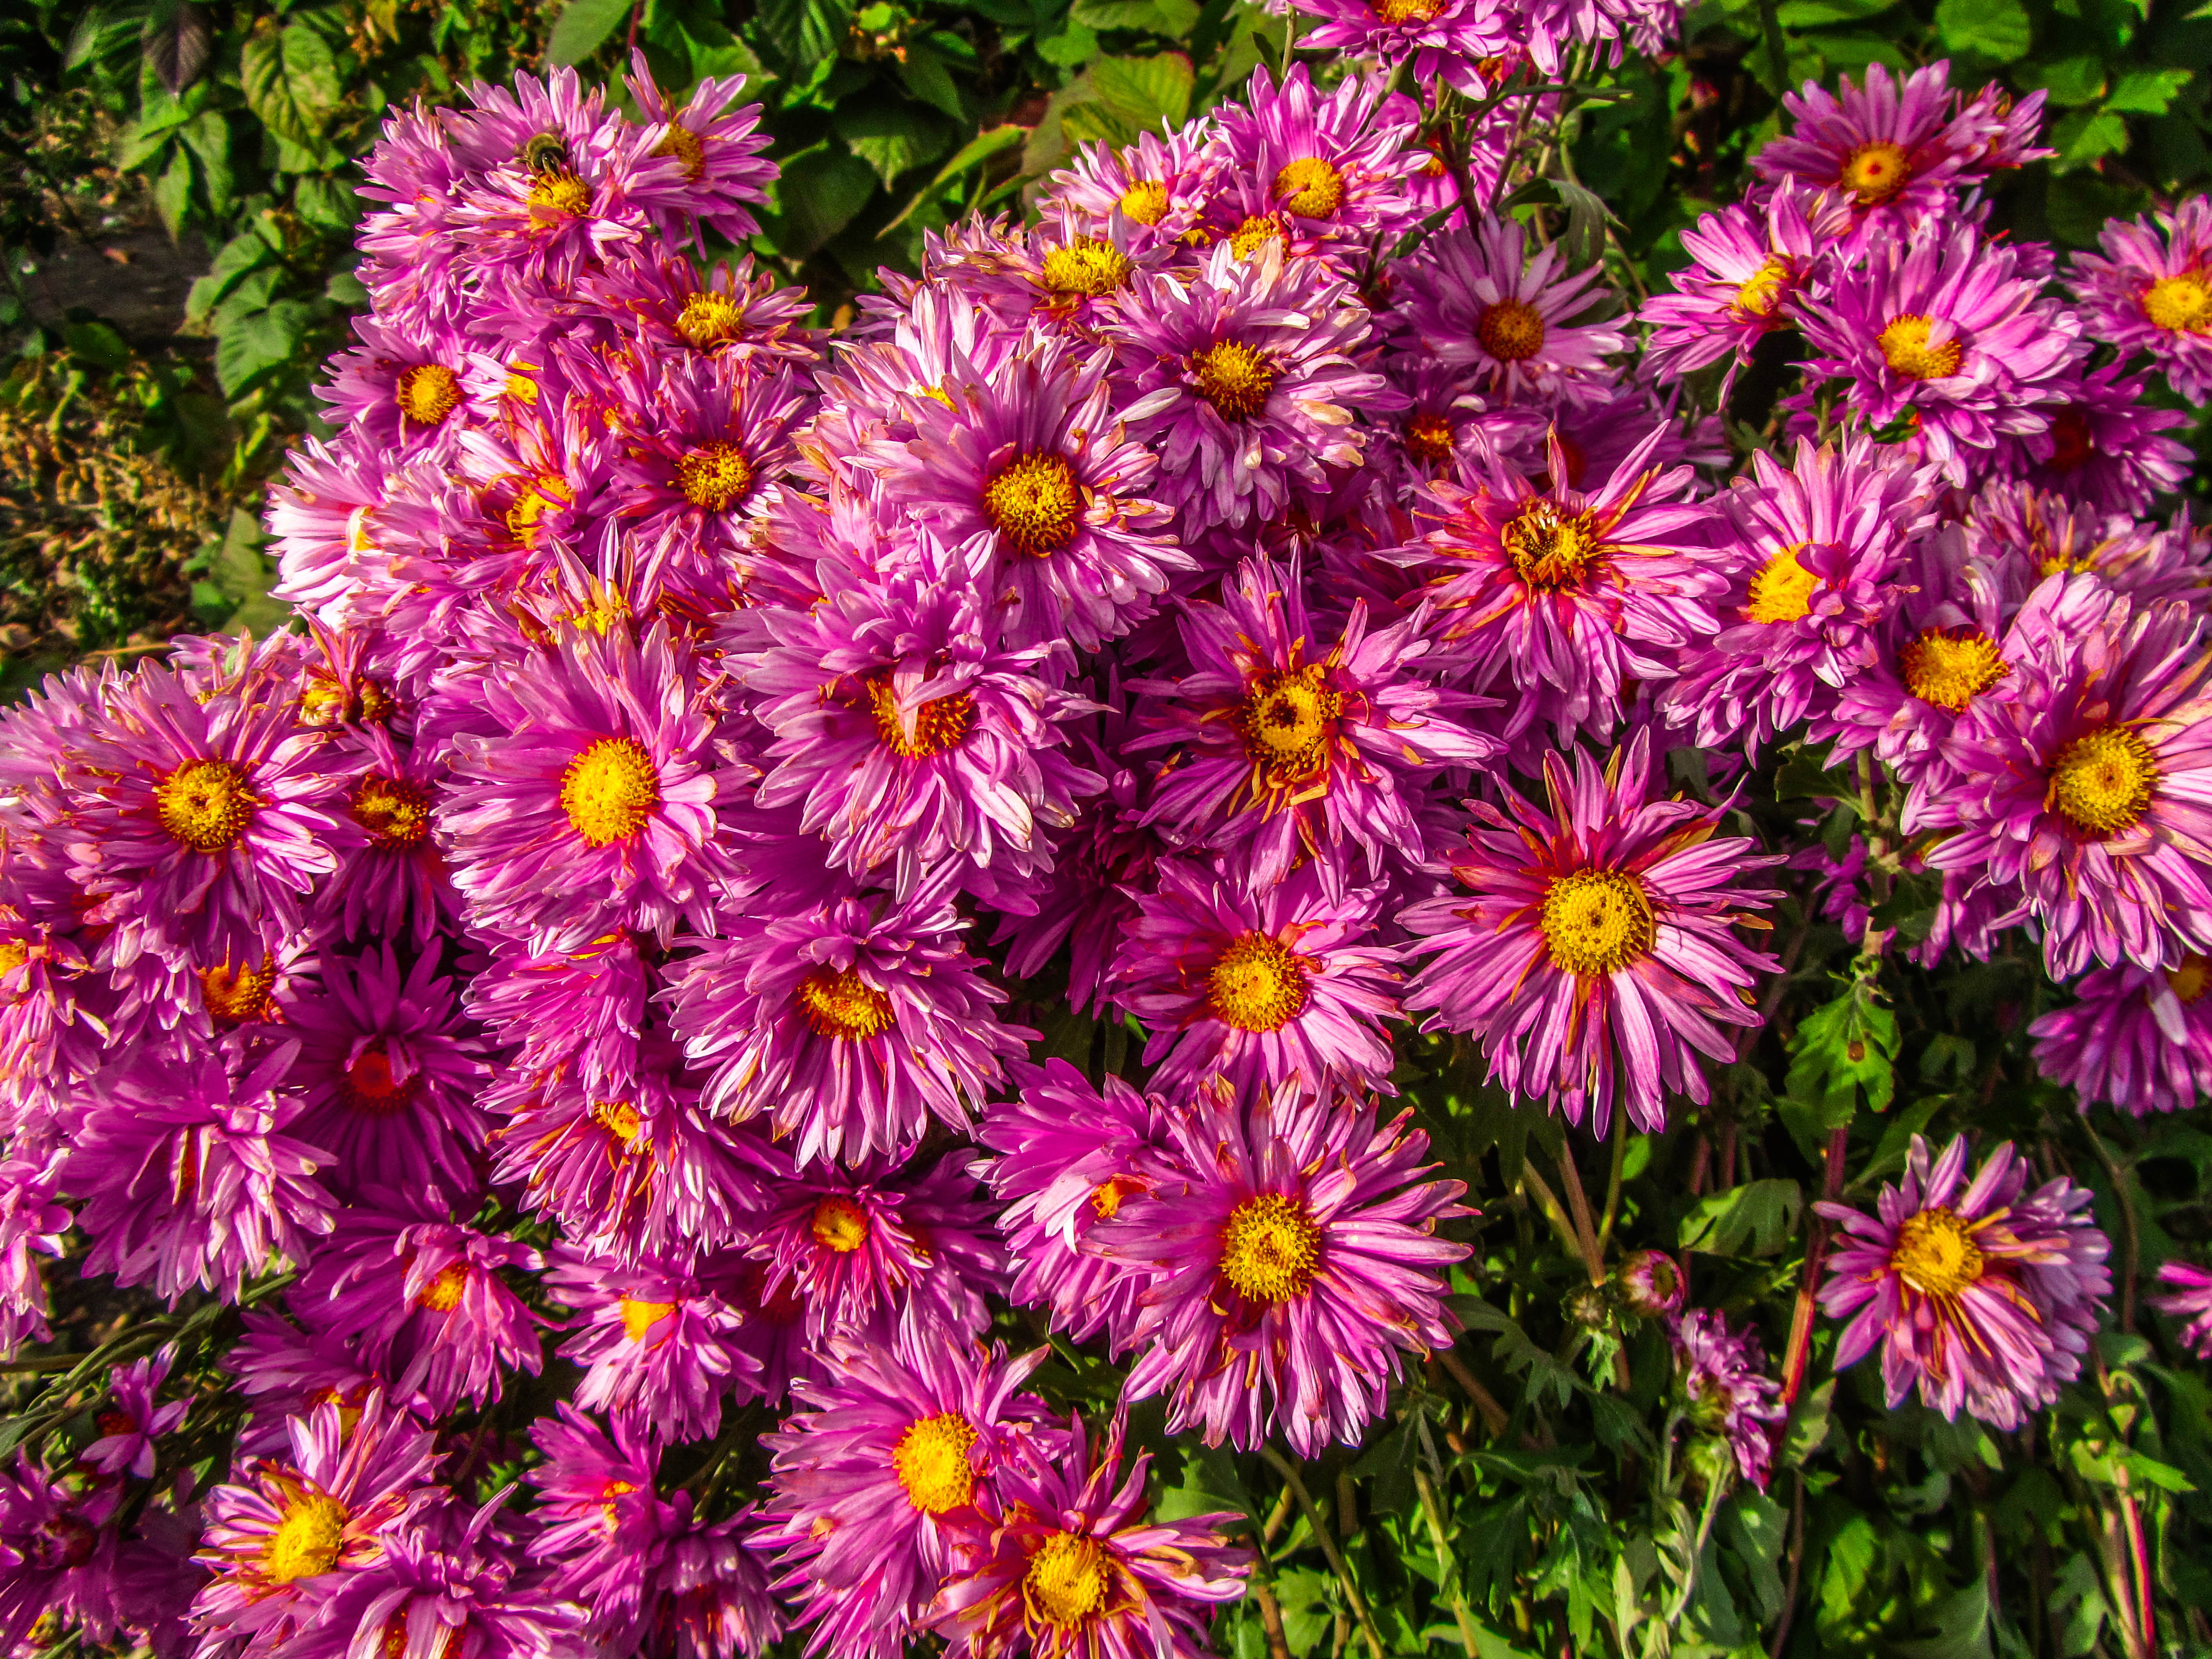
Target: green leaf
(820, 192)
(2078, 79)
(924, 75)
(1962, 1628)
(973, 154)
(176, 42)
(237, 581)
(1760, 1214)
(806, 31)
(1844, 1049)
(890, 135)
(2148, 92)
(1997, 30)
(1174, 18)
(291, 81)
(325, 203)
(97, 343)
(1814, 14)
(1070, 48)
(2082, 136)
(242, 254)
(173, 192)
(258, 342)
(1807, 1431)
(581, 26)
(1145, 92)
(209, 134)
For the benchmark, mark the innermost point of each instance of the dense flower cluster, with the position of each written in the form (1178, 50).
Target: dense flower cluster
(619, 920)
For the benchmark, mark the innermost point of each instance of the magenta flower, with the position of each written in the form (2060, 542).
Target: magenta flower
(400, 391)
(2190, 1299)
(1649, 1285)
(1442, 38)
(58, 1558)
(391, 882)
(847, 1027)
(1752, 265)
(579, 1011)
(1332, 167)
(134, 1418)
(285, 1374)
(2134, 1037)
(656, 1343)
(2106, 448)
(1258, 985)
(720, 176)
(1983, 1295)
(1727, 1392)
(1162, 186)
(2151, 292)
(1477, 300)
(32, 1224)
(732, 309)
(1595, 955)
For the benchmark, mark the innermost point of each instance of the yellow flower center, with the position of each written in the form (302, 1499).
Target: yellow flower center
(839, 1224)
(1873, 172)
(559, 193)
(939, 723)
(13, 953)
(2190, 978)
(2178, 304)
(1431, 438)
(309, 1535)
(443, 1293)
(539, 498)
(1904, 347)
(239, 996)
(1085, 266)
(368, 1085)
(1270, 1248)
(610, 790)
(1255, 232)
(931, 1460)
(1551, 553)
(1145, 201)
(519, 386)
(688, 148)
(1783, 590)
(1950, 667)
(2102, 782)
(428, 392)
(838, 1003)
(619, 1118)
(396, 812)
(1106, 1198)
(709, 320)
(207, 805)
(1234, 378)
(1287, 718)
(1596, 922)
(1759, 293)
(714, 476)
(1068, 1581)
(1258, 984)
(1512, 331)
(1035, 503)
(1310, 188)
(639, 1316)
(1407, 11)
(1935, 1253)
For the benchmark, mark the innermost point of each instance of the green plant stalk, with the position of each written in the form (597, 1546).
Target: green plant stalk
(1319, 1525)
(1447, 1563)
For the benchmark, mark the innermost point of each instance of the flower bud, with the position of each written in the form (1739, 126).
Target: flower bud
(1649, 1284)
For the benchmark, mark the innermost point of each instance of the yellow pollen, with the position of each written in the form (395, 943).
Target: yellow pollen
(1255, 232)
(392, 1643)
(939, 723)
(1258, 984)
(1904, 347)
(540, 498)
(1145, 201)
(1550, 553)
(562, 193)
(1596, 922)
(1035, 501)
(519, 386)
(2179, 304)
(13, 953)
(687, 147)
(1234, 378)
(1406, 11)
(1311, 188)
(2102, 782)
(1085, 267)
(1270, 1248)
(207, 805)
(1935, 1253)
(1783, 590)
(1873, 172)
(709, 320)
(369, 1086)
(1068, 1581)
(610, 1497)
(1512, 331)
(1431, 438)
(1950, 667)
(443, 1293)
(838, 1003)
(931, 1460)
(309, 1535)
(1758, 294)
(640, 1316)
(619, 1118)
(239, 996)
(714, 476)
(609, 790)
(839, 1224)
(428, 392)
(1287, 718)
(395, 812)
(1106, 1198)
(2190, 978)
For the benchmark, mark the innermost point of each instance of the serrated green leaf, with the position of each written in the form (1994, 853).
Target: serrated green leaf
(1145, 92)
(208, 134)
(926, 77)
(2078, 79)
(1842, 1050)
(892, 136)
(1996, 29)
(1817, 14)
(821, 191)
(252, 345)
(291, 81)
(1760, 1214)
(2082, 136)
(806, 32)
(173, 191)
(580, 27)
(1174, 18)
(2148, 92)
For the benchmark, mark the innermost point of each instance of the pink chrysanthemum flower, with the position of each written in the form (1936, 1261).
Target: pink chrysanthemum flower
(285, 1374)
(32, 1224)
(595, 808)
(392, 880)
(2136, 1039)
(732, 309)
(134, 1418)
(876, 1248)
(1727, 1391)
(1595, 955)
(2090, 788)
(1477, 300)
(58, 1558)
(1984, 1294)
(2190, 1299)
(399, 391)
(1033, 462)
(655, 1342)
(1293, 1258)
(2023, 535)
(1820, 549)
(1245, 380)
(388, 1077)
(721, 175)
(910, 734)
(1945, 331)
(579, 1012)
(287, 1534)
(1751, 266)
(1649, 1285)
(424, 1300)
(1257, 984)
(1162, 185)
(190, 1176)
(1568, 594)
(884, 1457)
(847, 1027)
(2107, 447)
(1446, 37)
(1067, 1156)
(1288, 748)
(1335, 164)
(2151, 292)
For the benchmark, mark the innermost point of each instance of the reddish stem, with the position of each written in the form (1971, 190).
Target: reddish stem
(1800, 1350)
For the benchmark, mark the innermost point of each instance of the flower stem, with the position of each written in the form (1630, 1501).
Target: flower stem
(1447, 1563)
(1319, 1525)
